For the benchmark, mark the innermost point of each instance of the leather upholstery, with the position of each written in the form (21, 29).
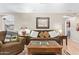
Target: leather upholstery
(11, 48)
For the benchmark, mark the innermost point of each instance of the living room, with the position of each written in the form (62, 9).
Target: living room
(39, 19)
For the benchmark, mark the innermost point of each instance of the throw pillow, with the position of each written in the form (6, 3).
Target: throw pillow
(53, 33)
(46, 34)
(10, 36)
(41, 35)
(34, 34)
(14, 38)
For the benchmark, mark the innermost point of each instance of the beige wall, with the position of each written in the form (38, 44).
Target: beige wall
(74, 32)
(29, 19)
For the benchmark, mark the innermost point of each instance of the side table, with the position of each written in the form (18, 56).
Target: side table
(27, 39)
(63, 37)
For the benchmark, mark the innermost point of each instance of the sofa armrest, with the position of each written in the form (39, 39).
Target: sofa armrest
(21, 39)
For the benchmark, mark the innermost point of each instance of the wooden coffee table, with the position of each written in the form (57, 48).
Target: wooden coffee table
(44, 47)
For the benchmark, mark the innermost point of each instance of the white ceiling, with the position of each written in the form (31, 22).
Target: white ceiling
(40, 7)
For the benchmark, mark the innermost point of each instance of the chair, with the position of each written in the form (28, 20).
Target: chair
(10, 48)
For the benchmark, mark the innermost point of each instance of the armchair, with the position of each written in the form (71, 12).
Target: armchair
(10, 48)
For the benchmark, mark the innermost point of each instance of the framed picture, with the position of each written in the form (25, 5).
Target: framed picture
(42, 22)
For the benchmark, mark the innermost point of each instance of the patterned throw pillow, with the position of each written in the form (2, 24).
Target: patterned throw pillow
(41, 34)
(14, 38)
(10, 36)
(34, 34)
(53, 33)
(46, 34)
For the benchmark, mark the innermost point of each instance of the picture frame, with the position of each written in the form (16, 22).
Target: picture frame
(42, 22)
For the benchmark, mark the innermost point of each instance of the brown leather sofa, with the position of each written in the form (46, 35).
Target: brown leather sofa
(10, 48)
(44, 35)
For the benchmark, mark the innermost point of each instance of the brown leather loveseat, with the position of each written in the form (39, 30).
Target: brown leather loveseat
(10, 48)
(44, 35)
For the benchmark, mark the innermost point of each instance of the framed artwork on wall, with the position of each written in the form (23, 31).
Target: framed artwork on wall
(42, 22)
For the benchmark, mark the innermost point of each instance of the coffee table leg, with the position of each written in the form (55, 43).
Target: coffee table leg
(60, 52)
(29, 53)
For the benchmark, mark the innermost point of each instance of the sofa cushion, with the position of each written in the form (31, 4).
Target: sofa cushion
(34, 34)
(53, 33)
(41, 35)
(44, 34)
(10, 36)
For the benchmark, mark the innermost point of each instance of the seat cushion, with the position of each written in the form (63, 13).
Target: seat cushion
(11, 48)
(10, 44)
